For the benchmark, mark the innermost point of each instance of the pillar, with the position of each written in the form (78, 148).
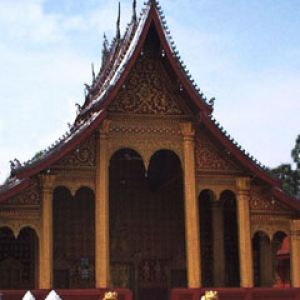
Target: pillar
(46, 234)
(102, 209)
(218, 244)
(191, 207)
(245, 241)
(295, 252)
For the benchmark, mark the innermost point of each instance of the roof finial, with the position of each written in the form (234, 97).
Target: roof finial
(93, 72)
(134, 11)
(105, 50)
(105, 44)
(118, 35)
(152, 2)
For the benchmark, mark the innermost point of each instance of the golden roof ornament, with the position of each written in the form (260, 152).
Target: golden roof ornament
(118, 34)
(110, 295)
(210, 295)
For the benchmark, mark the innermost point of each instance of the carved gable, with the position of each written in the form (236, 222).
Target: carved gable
(260, 201)
(148, 90)
(31, 196)
(83, 156)
(210, 158)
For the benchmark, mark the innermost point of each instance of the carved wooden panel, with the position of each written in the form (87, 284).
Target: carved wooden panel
(31, 196)
(210, 158)
(260, 201)
(83, 156)
(147, 91)
(270, 224)
(145, 137)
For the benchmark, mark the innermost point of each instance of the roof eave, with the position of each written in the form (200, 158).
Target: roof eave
(14, 190)
(56, 155)
(238, 154)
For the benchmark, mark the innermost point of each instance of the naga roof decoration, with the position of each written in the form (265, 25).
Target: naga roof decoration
(117, 61)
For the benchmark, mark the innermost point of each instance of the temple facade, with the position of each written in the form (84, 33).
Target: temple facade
(146, 191)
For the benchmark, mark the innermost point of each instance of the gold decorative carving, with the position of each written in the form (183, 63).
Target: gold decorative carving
(16, 225)
(31, 196)
(260, 201)
(145, 147)
(110, 296)
(270, 224)
(148, 91)
(243, 184)
(83, 156)
(144, 130)
(15, 212)
(209, 157)
(210, 295)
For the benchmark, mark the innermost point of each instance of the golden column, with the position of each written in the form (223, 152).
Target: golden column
(46, 233)
(245, 241)
(102, 210)
(295, 252)
(191, 207)
(218, 244)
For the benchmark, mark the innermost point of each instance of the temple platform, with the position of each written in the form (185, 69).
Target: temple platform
(174, 294)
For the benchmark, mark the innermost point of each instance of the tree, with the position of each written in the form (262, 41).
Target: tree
(289, 174)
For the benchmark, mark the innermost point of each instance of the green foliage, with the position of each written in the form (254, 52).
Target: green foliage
(38, 155)
(290, 176)
(296, 153)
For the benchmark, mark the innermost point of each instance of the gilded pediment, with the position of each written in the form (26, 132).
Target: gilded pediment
(148, 91)
(31, 196)
(210, 157)
(265, 202)
(83, 156)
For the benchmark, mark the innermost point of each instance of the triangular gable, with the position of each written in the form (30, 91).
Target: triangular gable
(261, 200)
(83, 156)
(30, 196)
(103, 95)
(149, 89)
(211, 157)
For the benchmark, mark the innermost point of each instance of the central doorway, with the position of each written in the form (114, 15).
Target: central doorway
(147, 232)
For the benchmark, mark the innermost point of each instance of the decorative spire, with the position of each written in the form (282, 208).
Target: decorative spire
(105, 50)
(152, 2)
(134, 11)
(118, 34)
(93, 72)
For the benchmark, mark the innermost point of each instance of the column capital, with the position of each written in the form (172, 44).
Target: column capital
(47, 181)
(295, 227)
(187, 130)
(104, 128)
(243, 184)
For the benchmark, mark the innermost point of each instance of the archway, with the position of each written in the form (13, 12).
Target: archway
(147, 232)
(74, 238)
(281, 260)
(18, 259)
(231, 241)
(206, 198)
(262, 260)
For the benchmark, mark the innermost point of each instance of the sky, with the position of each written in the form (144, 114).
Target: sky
(244, 53)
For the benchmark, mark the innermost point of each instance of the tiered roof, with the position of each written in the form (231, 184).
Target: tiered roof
(118, 59)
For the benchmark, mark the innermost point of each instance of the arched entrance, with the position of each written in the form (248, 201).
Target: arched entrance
(231, 241)
(18, 259)
(147, 232)
(73, 238)
(262, 260)
(206, 237)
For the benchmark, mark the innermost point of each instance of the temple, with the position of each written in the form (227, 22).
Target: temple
(146, 191)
